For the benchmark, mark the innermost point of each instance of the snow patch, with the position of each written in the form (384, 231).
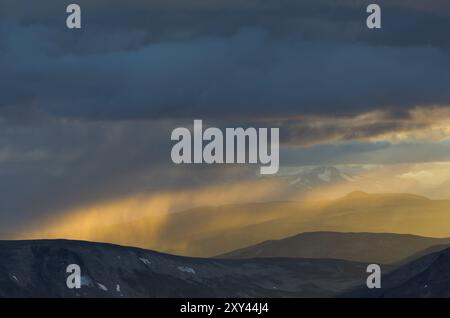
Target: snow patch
(102, 287)
(186, 269)
(325, 176)
(145, 261)
(347, 177)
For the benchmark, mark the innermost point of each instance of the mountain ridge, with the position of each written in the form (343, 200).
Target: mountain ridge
(37, 268)
(426, 277)
(215, 230)
(385, 248)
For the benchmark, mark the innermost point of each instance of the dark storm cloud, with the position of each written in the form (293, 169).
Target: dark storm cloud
(81, 110)
(50, 164)
(247, 74)
(210, 58)
(407, 22)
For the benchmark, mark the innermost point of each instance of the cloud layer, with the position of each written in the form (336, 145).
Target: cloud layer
(192, 58)
(86, 115)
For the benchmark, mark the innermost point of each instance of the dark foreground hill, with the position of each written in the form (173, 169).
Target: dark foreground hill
(428, 276)
(38, 269)
(381, 248)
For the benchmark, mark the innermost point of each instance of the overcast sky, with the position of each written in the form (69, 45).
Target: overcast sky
(86, 114)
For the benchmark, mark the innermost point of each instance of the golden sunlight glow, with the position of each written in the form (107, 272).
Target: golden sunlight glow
(139, 220)
(217, 219)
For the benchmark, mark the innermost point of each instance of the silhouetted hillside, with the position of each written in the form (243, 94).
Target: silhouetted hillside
(428, 276)
(381, 248)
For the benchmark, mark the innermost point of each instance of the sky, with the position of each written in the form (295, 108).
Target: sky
(86, 115)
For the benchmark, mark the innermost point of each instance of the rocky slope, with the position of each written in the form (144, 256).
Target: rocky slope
(38, 269)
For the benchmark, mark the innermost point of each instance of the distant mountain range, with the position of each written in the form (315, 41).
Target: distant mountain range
(432, 180)
(380, 248)
(213, 230)
(38, 269)
(310, 179)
